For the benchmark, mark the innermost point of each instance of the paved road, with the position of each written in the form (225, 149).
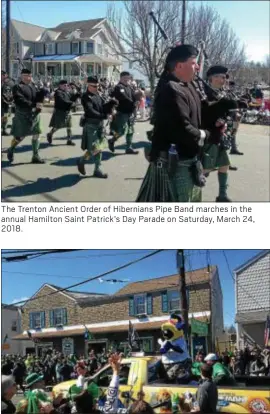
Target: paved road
(58, 179)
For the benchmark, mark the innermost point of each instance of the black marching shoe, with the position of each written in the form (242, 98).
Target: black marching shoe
(37, 160)
(81, 167)
(10, 155)
(71, 143)
(236, 152)
(99, 174)
(233, 168)
(111, 144)
(131, 151)
(223, 199)
(49, 138)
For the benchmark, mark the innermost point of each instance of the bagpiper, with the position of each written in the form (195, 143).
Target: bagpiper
(124, 119)
(28, 104)
(64, 101)
(96, 111)
(7, 85)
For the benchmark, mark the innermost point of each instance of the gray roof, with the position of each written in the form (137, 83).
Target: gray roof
(252, 260)
(86, 28)
(10, 307)
(28, 31)
(79, 295)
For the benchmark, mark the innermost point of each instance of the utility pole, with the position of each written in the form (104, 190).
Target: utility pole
(8, 37)
(183, 28)
(182, 288)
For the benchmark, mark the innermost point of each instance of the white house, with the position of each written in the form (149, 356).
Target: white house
(252, 299)
(10, 327)
(67, 50)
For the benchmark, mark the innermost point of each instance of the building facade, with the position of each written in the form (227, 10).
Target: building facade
(60, 320)
(11, 327)
(68, 51)
(252, 299)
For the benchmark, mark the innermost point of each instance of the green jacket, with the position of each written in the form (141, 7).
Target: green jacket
(221, 373)
(195, 368)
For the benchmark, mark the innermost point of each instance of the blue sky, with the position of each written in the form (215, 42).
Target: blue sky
(249, 19)
(21, 280)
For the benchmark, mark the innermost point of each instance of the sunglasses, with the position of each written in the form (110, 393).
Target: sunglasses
(93, 86)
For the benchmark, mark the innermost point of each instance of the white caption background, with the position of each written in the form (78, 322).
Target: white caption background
(117, 225)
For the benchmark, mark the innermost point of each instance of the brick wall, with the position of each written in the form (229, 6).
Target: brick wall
(115, 310)
(51, 302)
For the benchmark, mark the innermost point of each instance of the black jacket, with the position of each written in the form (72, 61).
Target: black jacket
(63, 100)
(177, 118)
(7, 407)
(27, 96)
(126, 98)
(93, 106)
(207, 397)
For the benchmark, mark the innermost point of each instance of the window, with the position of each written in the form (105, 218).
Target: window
(173, 300)
(49, 48)
(99, 49)
(90, 48)
(140, 304)
(146, 344)
(99, 71)
(58, 317)
(14, 326)
(75, 48)
(90, 69)
(37, 320)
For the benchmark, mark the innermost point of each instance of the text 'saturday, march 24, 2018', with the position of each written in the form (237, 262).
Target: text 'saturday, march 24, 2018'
(148, 222)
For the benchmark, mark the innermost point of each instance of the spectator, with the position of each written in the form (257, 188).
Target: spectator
(8, 390)
(207, 394)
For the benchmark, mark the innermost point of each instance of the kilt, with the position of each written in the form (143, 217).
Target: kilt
(183, 185)
(93, 137)
(214, 157)
(60, 119)
(25, 123)
(122, 124)
(156, 186)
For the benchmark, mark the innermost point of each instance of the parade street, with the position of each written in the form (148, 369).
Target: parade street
(59, 180)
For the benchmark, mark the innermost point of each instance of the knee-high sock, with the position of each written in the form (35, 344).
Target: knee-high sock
(129, 139)
(223, 183)
(35, 144)
(69, 134)
(97, 160)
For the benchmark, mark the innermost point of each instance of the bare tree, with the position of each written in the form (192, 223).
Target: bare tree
(143, 44)
(12, 51)
(145, 47)
(222, 44)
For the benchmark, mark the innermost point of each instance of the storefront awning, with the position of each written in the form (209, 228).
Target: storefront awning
(54, 58)
(141, 326)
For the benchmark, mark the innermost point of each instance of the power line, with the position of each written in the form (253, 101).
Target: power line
(27, 256)
(94, 278)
